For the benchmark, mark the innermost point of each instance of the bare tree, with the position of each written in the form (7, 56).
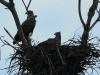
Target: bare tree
(86, 26)
(51, 58)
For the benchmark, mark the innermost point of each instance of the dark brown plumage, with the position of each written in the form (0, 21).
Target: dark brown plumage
(52, 41)
(27, 27)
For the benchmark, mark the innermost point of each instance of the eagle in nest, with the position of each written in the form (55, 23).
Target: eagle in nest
(27, 26)
(52, 41)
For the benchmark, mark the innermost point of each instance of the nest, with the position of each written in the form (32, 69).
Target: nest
(53, 60)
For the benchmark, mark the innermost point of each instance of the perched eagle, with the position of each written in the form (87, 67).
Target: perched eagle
(52, 41)
(27, 26)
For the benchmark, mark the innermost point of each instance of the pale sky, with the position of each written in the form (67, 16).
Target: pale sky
(52, 16)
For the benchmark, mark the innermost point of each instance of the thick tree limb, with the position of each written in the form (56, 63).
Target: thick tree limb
(5, 3)
(14, 13)
(11, 1)
(80, 16)
(91, 13)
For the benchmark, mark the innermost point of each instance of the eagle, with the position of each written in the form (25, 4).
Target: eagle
(52, 41)
(27, 26)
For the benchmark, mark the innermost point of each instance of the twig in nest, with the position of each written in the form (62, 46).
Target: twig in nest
(25, 58)
(26, 7)
(60, 55)
(50, 68)
(7, 67)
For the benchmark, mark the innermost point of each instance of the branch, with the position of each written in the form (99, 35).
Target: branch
(11, 45)
(24, 4)
(60, 55)
(29, 4)
(2, 40)
(98, 11)
(80, 16)
(26, 7)
(94, 23)
(14, 13)
(50, 68)
(11, 1)
(10, 35)
(91, 12)
(5, 3)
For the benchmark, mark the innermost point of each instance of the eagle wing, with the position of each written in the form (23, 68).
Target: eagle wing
(28, 26)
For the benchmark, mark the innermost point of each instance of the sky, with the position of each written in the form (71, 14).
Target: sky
(52, 16)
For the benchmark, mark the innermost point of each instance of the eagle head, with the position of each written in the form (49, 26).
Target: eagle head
(30, 13)
(57, 33)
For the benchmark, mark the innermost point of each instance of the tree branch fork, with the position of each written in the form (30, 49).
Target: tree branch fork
(86, 26)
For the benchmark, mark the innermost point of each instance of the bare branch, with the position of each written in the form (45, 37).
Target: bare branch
(29, 4)
(91, 12)
(2, 40)
(80, 16)
(7, 67)
(60, 55)
(26, 7)
(18, 26)
(14, 13)
(10, 35)
(50, 68)
(5, 3)
(10, 45)
(11, 1)
(98, 11)
(94, 23)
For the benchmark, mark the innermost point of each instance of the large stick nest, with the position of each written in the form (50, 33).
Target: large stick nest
(53, 60)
